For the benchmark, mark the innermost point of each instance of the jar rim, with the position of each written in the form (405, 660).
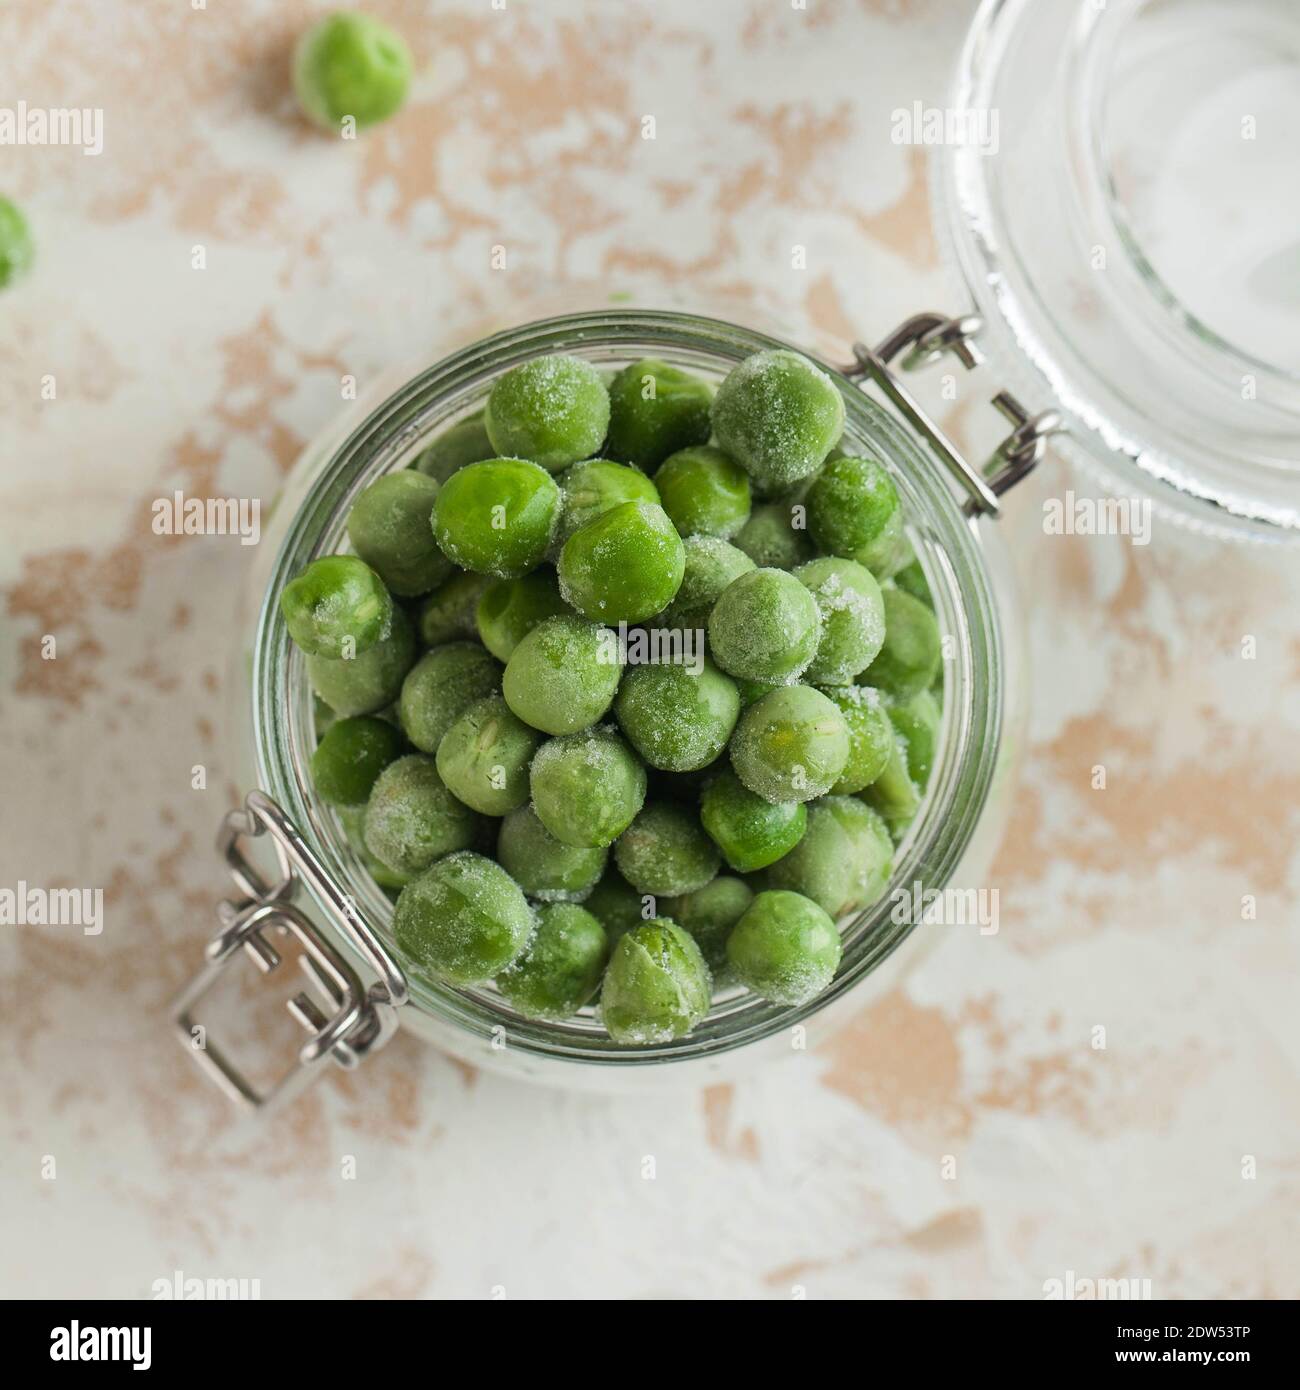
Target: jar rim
(948, 545)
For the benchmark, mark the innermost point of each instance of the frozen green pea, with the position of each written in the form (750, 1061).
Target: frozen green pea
(353, 820)
(750, 832)
(773, 539)
(587, 788)
(911, 579)
(709, 915)
(871, 735)
(624, 566)
(463, 920)
(449, 612)
(666, 852)
(350, 66)
(351, 756)
(917, 719)
(894, 794)
(677, 718)
(465, 442)
(657, 985)
(792, 745)
(511, 608)
(560, 968)
(563, 675)
(616, 905)
(709, 566)
(412, 819)
(497, 517)
(441, 686)
(912, 652)
(843, 861)
(594, 486)
(544, 867)
(389, 527)
(853, 618)
(484, 757)
(552, 410)
(785, 948)
(337, 607)
(368, 682)
(765, 626)
(704, 492)
(778, 416)
(16, 248)
(851, 507)
(655, 410)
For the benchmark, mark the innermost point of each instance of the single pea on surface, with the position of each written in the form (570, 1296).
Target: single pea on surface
(785, 948)
(587, 788)
(665, 851)
(351, 756)
(844, 859)
(704, 492)
(412, 820)
(510, 609)
(677, 718)
(17, 250)
(497, 517)
(337, 607)
(560, 968)
(750, 831)
(765, 626)
(441, 686)
(778, 415)
(593, 486)
(390, 527)
(484, 757)
(792, 745)
(544, 867)
(370, 681)
(349, 65)
(657, 985)
(562, 676)
(624, 566)
(463, 921)
(553, 410)
(654, 410)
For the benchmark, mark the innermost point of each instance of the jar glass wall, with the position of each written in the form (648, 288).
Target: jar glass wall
(957, 823)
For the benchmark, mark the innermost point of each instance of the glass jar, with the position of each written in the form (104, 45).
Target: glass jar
(948, 846)
(1119, 194)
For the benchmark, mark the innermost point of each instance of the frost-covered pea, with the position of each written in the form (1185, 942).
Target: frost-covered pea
(510, 609)
(350, 66)
(560, 968)
(792, 745)
(370, 681)
(871, 735)
(592, 487)
(390, 529)
(772, 539)
(412, 819)
(449, 612)
(709, 914)
(441, 686)
(497, 517)
(587, 787)
(851, 505)
(785, 948)
(665, 851)
(678, 719)
(654, 410)
(778, 415)
(553, 410)
(704, 492)
(484, 757)
(562, 677)
(351, 756)
(337, 607)
(544, 867)
(912, 652)
(464, 442)
(463, 920)
(710, 565)
(765, 626)
(853, 618)
(843, 861)
(624, 566)
(750, 832)
(657, 985)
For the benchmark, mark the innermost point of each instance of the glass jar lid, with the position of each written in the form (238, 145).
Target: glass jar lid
(1122, 205)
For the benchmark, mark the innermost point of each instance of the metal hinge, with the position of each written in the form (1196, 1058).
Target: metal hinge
(350, 1020)
(925, 338)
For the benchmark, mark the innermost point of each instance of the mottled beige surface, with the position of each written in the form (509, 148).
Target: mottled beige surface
(1120, 908)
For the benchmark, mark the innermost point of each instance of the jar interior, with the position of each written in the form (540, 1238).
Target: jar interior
(946, 545)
